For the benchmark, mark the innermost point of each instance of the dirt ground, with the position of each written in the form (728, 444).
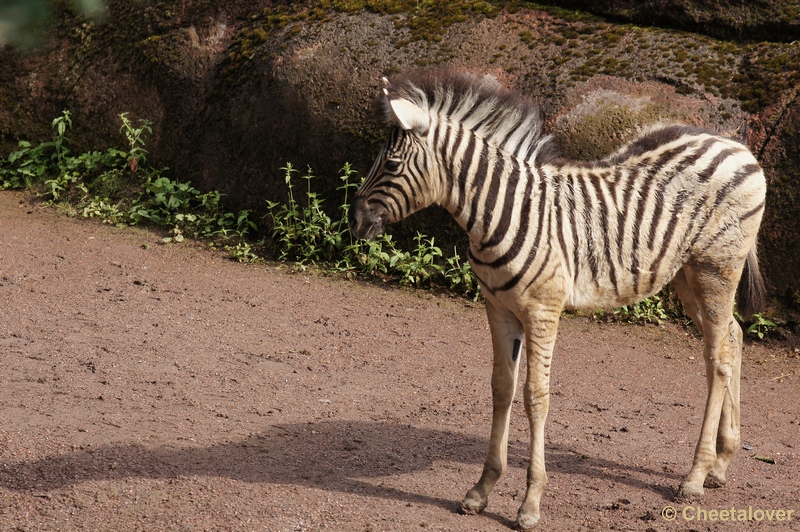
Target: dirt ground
(164, 387)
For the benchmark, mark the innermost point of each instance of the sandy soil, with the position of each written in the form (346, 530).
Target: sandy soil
(159, 387)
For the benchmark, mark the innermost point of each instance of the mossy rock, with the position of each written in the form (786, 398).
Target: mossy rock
(236, 90)
(606, 112)
(755, 20)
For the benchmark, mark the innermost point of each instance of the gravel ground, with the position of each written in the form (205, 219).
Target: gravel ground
(163, 387)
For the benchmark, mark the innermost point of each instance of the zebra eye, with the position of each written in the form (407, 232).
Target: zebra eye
(392, 165)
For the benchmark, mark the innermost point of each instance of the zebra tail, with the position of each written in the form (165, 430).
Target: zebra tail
(751, 297)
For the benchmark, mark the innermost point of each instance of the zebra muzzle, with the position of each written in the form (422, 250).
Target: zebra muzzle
(365, 221)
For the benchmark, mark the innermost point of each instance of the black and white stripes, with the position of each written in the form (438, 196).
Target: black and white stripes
(677, 205)
(613, 231)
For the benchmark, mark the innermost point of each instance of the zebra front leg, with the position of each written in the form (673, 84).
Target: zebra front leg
(540, 336)
(506, 332)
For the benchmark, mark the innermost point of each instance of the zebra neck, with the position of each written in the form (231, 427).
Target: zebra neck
(490, 194)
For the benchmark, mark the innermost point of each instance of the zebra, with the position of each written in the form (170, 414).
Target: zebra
(677, 204)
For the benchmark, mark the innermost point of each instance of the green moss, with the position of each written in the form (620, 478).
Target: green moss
(768, 69)
(425, 21)
(610, 65)
(569, 15)
(569, 33)
(613, 37)
(162, 50)
(428, 21)
(756, 74)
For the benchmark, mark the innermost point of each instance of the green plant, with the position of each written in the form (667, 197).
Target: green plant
(305, 233)
(59, 174)
(760, 326)
(24, 166)
(135, 135)
(114, 186)
(61, 124)
(418, 267)
(649, 310)
(161, 199)
(187, 211)
(102, 209)
(48, 162)
(461, 277)
(367, 256)
(242, 252)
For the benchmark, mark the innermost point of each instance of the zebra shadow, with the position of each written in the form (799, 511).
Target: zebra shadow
(341, 456)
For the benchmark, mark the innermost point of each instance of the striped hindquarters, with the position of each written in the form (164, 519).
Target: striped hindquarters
(675, 195)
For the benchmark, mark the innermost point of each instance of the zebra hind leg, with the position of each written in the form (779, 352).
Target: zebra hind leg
(713, 291)
(690, 305)
(728, 432)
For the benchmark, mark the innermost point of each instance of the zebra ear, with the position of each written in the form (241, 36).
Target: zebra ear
(409, 116)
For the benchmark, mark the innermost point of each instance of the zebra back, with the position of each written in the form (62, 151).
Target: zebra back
(677, 195)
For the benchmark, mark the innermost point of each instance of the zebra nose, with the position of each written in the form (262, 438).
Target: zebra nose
(364, 221)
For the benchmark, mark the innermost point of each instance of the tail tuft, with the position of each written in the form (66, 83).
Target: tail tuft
(751, 297)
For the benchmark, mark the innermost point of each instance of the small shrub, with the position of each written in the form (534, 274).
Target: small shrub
(115, 186)
(420, 266)
(650, 310)
(461, 277)
(760, 327)
(118, 187)
(304, 233)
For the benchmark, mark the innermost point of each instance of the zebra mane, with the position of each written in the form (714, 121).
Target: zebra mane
(504, 118)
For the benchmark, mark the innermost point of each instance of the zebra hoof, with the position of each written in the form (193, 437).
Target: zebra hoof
(527, 520)
(688, 492)
(472, 504)
(714, 481)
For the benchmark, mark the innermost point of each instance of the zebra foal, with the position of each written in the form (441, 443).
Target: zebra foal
(676, 205)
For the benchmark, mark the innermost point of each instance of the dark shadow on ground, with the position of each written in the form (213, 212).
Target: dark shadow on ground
(330, 455)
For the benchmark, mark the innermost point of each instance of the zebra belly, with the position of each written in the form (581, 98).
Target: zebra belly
(589, 292)
(599, 297)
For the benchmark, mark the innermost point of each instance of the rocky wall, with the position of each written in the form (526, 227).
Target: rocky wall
(237, 89)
